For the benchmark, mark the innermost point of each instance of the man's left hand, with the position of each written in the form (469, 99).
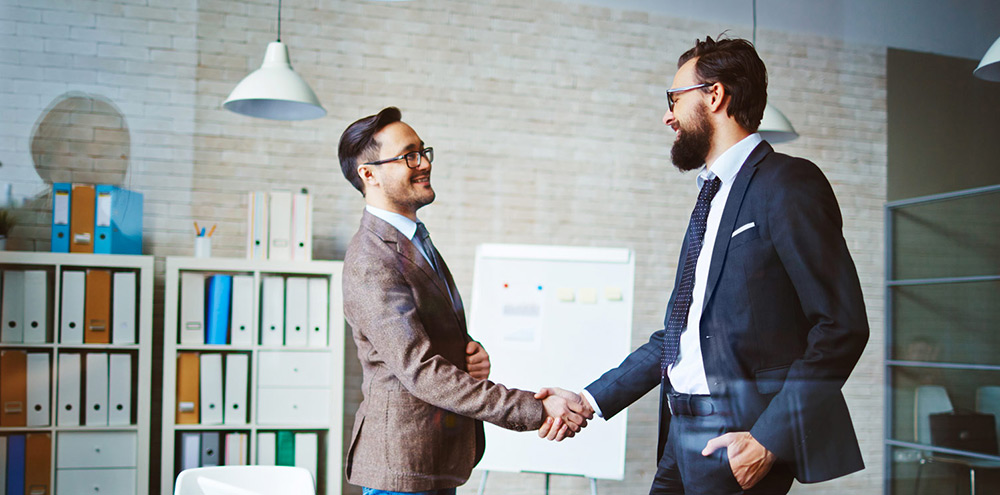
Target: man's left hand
(748, 459)
(477, 360)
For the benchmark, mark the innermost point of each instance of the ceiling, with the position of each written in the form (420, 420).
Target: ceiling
(959, 28)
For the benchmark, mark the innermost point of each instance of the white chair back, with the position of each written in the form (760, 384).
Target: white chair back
(930, 399)
(988, 401)
(245, 480)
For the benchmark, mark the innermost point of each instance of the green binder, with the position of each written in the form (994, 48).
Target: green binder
(286, 448)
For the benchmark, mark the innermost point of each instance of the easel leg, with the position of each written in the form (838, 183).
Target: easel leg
(593, 486)
(547, 475)
(482, 482)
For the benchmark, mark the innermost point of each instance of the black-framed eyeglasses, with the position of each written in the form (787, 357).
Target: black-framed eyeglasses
(412, 158)
(672, 92)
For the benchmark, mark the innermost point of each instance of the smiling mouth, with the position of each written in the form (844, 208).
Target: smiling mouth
(421, 179)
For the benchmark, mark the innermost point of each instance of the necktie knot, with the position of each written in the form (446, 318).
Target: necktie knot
(709, 189)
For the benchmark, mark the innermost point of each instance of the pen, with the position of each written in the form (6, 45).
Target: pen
(202, 234)
(213, 230)
(196, 229)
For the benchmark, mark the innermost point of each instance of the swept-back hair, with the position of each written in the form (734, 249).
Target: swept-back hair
(358, 144)
(735, 64)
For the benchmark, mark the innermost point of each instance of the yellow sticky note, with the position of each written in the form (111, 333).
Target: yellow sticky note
(613, 293)
(565, 294)
(588, 295)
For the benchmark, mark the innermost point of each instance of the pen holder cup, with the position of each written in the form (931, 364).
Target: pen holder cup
(202, 247)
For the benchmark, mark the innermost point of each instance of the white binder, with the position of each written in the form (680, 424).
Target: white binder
(12, 307)
(190, 450)
(237, 374)
(257, 226)
(241, 322)
(236, 449)
(96, 391)
(319, 311)
(297, 311)
(279, 226)
(210, 390)
(272, 319)
(307, 452)
(192, 308)
(68, 387)
(38, 389)
(267, 449)
(120, 390)
(123, 309)
(36, 306)
(302, 227)
(74, 287)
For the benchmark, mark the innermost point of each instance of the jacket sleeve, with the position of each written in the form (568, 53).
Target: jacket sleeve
(806, 231)
(634, 377)
(383, 310)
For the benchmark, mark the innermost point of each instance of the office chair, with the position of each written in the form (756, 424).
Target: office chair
(245, 480)
(933, 399)
(988, 402)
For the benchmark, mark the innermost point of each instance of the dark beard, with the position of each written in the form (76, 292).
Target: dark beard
(691, 147)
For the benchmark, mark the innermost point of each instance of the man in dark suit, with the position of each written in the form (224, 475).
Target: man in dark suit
(419, 428)
(766, 320)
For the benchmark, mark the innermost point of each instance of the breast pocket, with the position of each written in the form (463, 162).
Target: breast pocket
(743, 235)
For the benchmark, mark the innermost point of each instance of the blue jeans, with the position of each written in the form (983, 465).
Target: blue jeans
(372, 491)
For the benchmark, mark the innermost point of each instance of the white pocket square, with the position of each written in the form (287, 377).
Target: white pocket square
(743, 229)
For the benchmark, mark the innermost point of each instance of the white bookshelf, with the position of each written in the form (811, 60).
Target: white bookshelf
(329, 429)
(77, 459)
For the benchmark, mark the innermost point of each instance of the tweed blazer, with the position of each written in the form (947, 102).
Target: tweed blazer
(419, 425)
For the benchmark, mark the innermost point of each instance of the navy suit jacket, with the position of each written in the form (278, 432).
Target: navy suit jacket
(783, 323)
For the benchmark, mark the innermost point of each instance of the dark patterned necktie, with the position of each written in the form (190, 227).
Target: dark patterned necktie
(425, 241)
(682, 303)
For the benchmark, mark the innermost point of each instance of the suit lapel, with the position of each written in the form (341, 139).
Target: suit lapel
(406, 249)
(728, 222)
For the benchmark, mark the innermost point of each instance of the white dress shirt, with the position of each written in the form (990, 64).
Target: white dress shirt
(404, 225)
(687, 374)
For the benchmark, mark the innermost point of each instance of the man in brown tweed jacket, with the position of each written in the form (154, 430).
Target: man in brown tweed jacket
(426, 393)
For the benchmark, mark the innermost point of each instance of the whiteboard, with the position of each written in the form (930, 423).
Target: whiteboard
(554, 316)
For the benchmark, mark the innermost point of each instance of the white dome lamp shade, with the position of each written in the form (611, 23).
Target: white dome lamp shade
(989, 67)
(275, 91)
(775, 127)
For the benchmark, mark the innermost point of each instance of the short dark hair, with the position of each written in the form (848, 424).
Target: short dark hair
(735, 64)
(358, 142)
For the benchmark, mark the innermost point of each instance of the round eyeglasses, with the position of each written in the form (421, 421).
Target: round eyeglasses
(412, 158)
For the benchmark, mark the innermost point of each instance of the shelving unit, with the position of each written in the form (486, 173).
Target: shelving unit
(86, 457)
(323, 417)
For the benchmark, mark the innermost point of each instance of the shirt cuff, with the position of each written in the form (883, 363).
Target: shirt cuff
(593, 403)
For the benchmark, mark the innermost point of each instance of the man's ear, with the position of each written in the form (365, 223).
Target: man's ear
(717, 97)
(367, 175)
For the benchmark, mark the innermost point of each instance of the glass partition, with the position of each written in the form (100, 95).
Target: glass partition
(943, 343)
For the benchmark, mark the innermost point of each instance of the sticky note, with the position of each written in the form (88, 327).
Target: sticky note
(588, 295)
(565, 294)
(613, 293)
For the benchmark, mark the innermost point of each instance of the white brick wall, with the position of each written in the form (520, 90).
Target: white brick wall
(545, 118)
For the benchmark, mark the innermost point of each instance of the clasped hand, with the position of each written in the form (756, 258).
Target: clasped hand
(566, 413)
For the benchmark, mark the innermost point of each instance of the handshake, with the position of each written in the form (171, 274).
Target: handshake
(566, 413)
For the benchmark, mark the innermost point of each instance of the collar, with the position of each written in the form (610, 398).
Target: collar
(404, 225)
(729, 163)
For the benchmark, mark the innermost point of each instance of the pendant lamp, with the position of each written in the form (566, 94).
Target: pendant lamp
(275, 91)
(774, 126)
(989, 67)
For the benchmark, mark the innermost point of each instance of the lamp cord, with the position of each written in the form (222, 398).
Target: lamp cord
(754, 22)
(279, 18)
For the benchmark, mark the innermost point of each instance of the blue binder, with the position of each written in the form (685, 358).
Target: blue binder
(220, 292)
(15, 463)
(61, 208)
(117, 221)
